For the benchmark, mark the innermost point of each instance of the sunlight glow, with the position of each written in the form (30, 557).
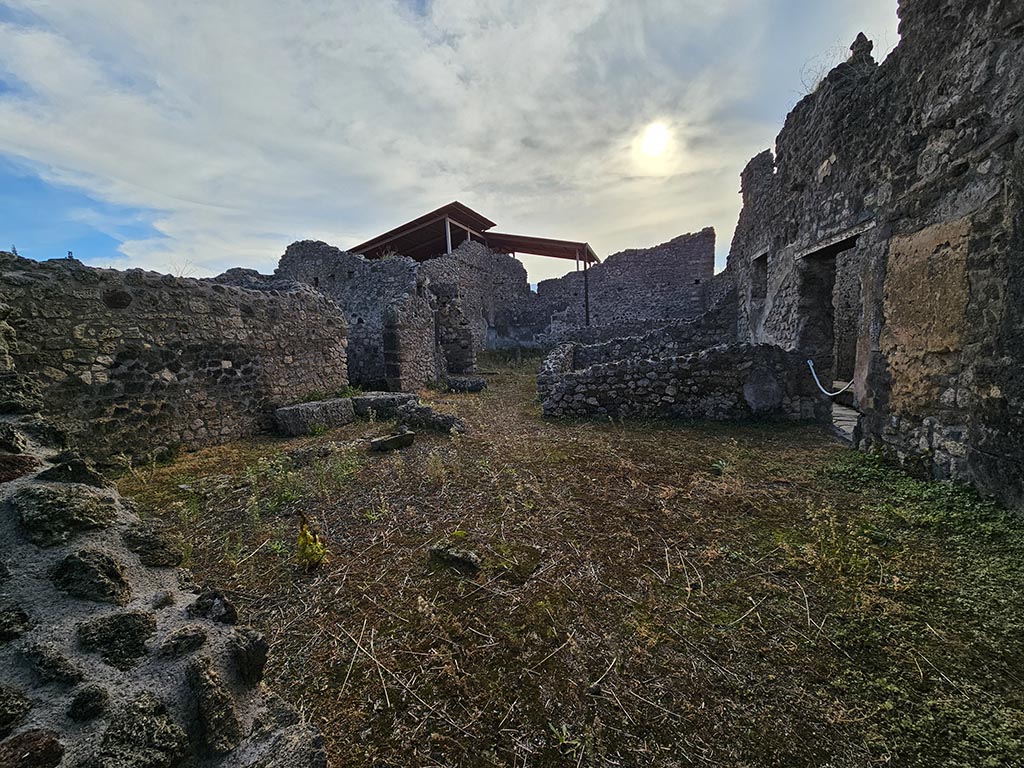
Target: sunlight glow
(655, 139)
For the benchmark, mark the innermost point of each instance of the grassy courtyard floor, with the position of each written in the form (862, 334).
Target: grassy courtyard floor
(652, 594)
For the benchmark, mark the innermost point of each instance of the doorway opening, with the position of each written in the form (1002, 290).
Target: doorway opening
(829, 300)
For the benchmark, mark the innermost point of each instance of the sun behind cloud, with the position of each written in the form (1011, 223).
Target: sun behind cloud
(655, 140)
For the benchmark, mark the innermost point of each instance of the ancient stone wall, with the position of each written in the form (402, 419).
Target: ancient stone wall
(412, 357)
(493, 290)
(666, 282)
(110, 656)
(670, 340)
(125, 362)
(883, 239)
(364, 289)
(726, 382)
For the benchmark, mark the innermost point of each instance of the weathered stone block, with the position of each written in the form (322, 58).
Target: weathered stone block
(142, 735)
(306, 418)
(393, 442)
(93, 575)
(53, 514)
(383, 405)
(219, 728)
(153, 543)
(119, 638)
(14, 705)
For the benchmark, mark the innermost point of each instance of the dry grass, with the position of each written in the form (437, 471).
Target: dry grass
(651, 594)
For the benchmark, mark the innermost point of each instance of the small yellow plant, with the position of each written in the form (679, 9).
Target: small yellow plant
(311, 549)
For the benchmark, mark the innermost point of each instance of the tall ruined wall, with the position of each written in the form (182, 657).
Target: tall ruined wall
(363, 288)
(493, 291)
(412, 356)
(129, 361)
(666, 282)
(891, 211)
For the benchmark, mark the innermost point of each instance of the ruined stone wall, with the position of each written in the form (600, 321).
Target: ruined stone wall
(726, 382)
(129, 361)
(493, 291)
(665, 282)
(412, 357)
(891, 210)
(364, 289)
(670, 340)
(109, 655)
(454, 331)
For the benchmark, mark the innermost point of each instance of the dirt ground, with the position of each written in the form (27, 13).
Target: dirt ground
(648, 594)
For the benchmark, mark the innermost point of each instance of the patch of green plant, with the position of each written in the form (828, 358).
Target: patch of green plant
(272, 486)
(719, 467)
(564, 742)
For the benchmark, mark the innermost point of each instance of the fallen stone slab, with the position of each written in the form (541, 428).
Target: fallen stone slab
(307, 418)
(466, 384)
(392, 442)
(384, 405)
(413, 415)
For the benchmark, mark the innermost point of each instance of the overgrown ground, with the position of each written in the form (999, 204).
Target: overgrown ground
(652, 594)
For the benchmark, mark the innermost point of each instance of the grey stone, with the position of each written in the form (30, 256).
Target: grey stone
(466, 384)
(14, 622)
(219, 728)
(119, 638)
(88, 703)
(51, 665)
(153, 543)
(52, 514)
(212, 605)
(306, 418)
(75, 470)
(383, 405)
(93, 575)
(393, 442)
(11, 440)
(183, 640)
(14, 705)
(141, 735)
(424, 417)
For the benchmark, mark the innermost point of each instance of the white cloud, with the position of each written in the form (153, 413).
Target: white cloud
(247, 125)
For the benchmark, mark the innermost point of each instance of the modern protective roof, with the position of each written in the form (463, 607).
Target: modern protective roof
(432, 234)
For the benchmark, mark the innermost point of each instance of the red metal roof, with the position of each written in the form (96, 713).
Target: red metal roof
(419, 234)
(541, 246)
(425, 238)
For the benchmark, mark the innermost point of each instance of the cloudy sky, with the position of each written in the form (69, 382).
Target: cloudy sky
(192, 136)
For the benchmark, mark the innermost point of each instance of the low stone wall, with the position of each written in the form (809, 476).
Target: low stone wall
(125, 362)
(110, 657)
(556, 365)
(727, 382)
